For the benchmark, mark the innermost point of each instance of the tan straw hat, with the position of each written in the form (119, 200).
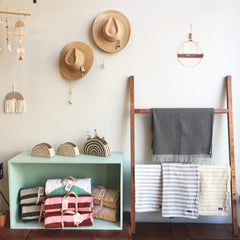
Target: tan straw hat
(111, 31)
(75, 60)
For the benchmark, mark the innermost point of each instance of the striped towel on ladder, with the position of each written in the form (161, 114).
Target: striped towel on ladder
(148, 188)
(214, 190)
(180, 190)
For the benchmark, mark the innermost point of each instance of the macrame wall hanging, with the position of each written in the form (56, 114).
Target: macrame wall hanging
(190, 52)
(19, 33)
(14, 102)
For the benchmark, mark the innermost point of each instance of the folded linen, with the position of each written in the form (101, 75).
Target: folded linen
(80, 187)
(148, 188)
(214, 190)
(108, 214)
(29, 196)
(180, 190)
(30, 212)
(182, 134)
(54, 204)
(110, 199)
(58, 220)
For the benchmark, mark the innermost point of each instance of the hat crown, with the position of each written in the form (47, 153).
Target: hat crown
(74, 58)
(112, 29)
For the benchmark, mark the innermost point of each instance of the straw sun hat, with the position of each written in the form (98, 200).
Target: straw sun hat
(111, 31)
(75, 60)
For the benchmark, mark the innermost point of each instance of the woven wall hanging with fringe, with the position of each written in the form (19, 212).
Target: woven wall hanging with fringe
(14, 102)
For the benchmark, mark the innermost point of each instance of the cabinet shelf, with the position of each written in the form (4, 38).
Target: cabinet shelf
(26, 171)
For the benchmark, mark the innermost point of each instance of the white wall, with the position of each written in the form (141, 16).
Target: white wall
(102, 97)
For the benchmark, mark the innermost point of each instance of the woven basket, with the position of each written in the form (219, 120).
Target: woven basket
(95, 147)
(43, 150)
(68, 149)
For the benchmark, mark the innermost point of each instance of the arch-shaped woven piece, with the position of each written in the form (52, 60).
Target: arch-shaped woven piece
(96, 147)
(43, 150)
(68, 149)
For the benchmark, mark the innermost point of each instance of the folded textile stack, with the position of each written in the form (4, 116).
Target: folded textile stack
(148, 188)
(62, 186)
(30, 202)
(106, 203)
(214, 190)
(68, 211)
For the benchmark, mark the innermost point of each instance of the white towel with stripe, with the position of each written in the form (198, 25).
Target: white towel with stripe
(148, 188)
(214, 190)
(180, 190)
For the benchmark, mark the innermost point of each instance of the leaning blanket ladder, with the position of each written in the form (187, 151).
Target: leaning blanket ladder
(227, 111)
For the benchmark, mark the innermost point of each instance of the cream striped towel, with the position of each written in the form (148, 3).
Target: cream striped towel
(214, 190)
(148, 188)
(180, 190)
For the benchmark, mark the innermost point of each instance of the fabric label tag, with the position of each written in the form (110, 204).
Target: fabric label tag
(65, 203)
(41, 191)
(102, 192)
(78, 218)
(68, 185)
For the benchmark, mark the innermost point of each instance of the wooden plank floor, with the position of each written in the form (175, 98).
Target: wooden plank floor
(183, 231)
(144, 231)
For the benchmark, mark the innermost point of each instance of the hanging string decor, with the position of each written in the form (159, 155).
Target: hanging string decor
(190, 52)
(20, 34)
(9, 48)
(18, 107)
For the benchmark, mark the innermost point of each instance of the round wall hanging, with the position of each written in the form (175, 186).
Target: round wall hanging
(190, 53)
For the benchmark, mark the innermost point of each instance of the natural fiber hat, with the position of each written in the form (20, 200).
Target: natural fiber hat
(111, 31)
(75, 60)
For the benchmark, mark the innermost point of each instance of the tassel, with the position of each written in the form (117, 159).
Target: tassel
(8, 106)
(9, 47)
(20, 106)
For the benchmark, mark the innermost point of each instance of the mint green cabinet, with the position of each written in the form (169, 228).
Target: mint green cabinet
(26, 171)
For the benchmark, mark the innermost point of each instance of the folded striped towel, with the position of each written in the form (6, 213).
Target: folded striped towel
(180, 190)
(55, 220)
(148, 188)
(214, 190)
(30, 212)
(106, 213)
(29, 196)
(54, 204)
(80, 187)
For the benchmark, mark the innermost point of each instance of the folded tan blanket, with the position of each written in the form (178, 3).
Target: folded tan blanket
(214, 190)
(110, 199)
(108, 214)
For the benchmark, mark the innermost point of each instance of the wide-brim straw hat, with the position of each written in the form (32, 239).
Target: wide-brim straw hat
(75, 60)
(111, 31)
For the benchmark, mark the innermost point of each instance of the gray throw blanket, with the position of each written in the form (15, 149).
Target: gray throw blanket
(182, 134)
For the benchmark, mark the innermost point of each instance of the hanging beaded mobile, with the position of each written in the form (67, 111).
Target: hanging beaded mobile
(20, 34)
(8, 36)
(190, 52)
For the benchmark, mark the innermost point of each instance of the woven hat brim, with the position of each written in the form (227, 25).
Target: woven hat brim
(98, 36)
(76, 74)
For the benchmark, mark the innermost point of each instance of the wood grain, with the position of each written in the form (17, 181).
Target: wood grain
(232, 156)
(132, 126)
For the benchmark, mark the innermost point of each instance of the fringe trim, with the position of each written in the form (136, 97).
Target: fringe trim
(198, 158)
(20, 106)
(8, 106)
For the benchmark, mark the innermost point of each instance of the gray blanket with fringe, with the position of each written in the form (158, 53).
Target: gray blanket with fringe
(182, 134)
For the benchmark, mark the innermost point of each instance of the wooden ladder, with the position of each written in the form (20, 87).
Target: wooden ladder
(227, 111)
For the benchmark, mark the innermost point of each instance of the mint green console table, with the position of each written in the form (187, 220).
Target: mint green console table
(26, 171)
